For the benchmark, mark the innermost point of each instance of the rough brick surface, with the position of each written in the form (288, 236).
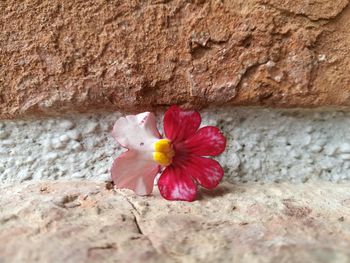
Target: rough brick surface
(85, 222)
(58, 55)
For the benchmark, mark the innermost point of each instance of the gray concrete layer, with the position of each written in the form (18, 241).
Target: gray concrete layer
(263, 145)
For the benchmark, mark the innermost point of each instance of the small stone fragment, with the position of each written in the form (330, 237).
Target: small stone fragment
(4, 134)
(345, 156)
(91, 127)
(74, 134)
(66, 124)
(344, 148)
(64, 138)
(330, 149)
(78, 175)
(50, 156)
(76, 146)
(57, 144)
(316, 148)
(322, 57)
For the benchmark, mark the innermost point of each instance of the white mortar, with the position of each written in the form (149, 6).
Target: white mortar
(263, 145)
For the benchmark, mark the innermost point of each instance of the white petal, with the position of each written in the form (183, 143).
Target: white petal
(136, 132)
(130, 170)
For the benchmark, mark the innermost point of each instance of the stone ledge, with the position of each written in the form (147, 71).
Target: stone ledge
(58, 56)
(90, 222)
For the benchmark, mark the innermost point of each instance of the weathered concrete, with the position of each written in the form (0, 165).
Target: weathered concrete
(59, 56)
(263, 145)
(89, 222)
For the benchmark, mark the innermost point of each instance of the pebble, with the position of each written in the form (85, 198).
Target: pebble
(345, 156)
(74, 135)
(270, 64)
(103, 170)
(29, 160)
(76, 146)
(91, 127)
(78, 175)
(278, 78)
(344, 148)
(330, 149)
(24, 174)
(309, 129)
(57, 144)
(66, 124)
(327, 164)
(8, 143)
(64, 138)
(322, 57)
(229, 119)
(316, 148)
(50, 156)
(4, 134)
(309, 161)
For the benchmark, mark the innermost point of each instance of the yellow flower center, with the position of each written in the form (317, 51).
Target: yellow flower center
(163, 152)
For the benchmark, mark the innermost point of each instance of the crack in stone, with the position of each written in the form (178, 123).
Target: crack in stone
(137, 215)
(139, 229)
(132, 205)
(108, 246)
(141, 232)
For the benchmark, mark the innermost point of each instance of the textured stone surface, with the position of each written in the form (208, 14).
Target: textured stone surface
(86, 222)
(83, 55)
(263, 145)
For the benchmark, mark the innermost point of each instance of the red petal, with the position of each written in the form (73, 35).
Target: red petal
(208, 141)
(180, 124)
(132, 172)
(207, 172)
(173, 184)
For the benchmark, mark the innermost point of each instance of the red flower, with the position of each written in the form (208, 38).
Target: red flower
(180, 153)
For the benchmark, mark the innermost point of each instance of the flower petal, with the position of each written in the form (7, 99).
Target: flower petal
(174, 184)
(207, 172)
(133, 172)
(180, 124)
(136, 131)
(208, 141)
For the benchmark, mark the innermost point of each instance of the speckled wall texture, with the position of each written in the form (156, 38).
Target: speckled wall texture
(263, 145)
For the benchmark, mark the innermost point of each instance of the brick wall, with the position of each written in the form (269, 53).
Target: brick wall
(59, 55)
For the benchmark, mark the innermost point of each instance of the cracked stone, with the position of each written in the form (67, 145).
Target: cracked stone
(243, 222)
